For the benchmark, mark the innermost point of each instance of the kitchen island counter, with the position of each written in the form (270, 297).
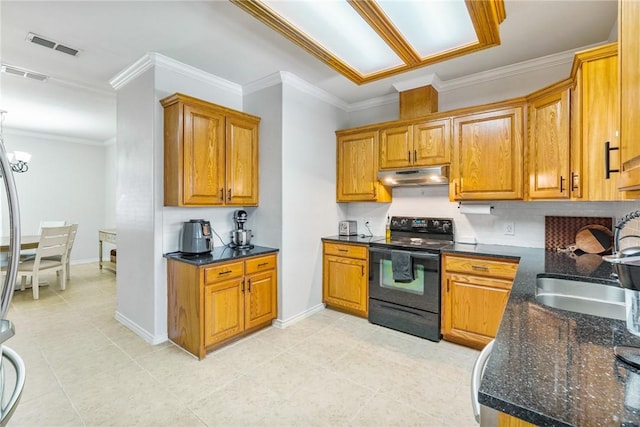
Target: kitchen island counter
(551, 366)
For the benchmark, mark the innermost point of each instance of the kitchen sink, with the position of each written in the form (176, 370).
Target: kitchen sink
(581, 297)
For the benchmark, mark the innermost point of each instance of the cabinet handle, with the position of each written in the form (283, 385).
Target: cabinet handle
(229, 194)
(607, 160)
(415, 156)
(561, 184)
(448, 285)
(409, 155)
(362, 268)
(262, 264)
(375, 192)
(222, 194)
(242, 286)
(249, 285)
(224, 272)
(343, 250)
(573, 185)
(479, 268)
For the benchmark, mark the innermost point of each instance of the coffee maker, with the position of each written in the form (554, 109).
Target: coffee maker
(240, 238)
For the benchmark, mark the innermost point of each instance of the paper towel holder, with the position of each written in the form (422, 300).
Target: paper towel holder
(490, 207)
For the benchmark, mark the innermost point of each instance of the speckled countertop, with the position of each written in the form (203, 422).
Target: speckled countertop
(553, 367)
(220, 254)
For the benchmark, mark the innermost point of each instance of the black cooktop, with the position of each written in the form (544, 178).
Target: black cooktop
(418, 234)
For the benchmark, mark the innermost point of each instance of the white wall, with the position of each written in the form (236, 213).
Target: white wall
(65, 181)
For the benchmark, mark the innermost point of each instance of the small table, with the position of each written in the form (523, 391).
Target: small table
(106, 235)
(26, 242)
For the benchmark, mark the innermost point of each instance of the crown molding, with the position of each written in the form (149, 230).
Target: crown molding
(373, 102)
(54, 137)
(153, 59)
(429, 79)
(290, 79)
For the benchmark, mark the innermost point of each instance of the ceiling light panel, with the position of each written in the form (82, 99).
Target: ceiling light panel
(338, 28)
(431, 27)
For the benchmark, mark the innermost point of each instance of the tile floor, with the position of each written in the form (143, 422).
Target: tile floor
(85, 369)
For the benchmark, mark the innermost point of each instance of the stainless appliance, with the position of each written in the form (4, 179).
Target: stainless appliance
(12, 368)
(433, 175)
(240, 237)
(404, 275)
(196, 237)
(348, 228)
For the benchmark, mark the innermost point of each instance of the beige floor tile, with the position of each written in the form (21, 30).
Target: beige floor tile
(330, 369)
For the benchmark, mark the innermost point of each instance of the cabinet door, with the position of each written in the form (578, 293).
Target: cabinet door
(549, 176)
(345, 284)
(357, 169)
(488, 156)
(431, 143)
(261, 305)
(600, 124)
(629, 42)
(396, 147)
(242, 161)
(223, 311)
(472, 308)
(203, 158)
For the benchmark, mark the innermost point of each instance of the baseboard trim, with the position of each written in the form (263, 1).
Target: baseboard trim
(298, 317)
(141, 332)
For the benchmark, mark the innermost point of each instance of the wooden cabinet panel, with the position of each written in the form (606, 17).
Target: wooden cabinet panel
(211, 305)
(345, 277)
(357, 168)
(260, 300)
(548, 166)
(488, 156)
(432, 142)
(396, 147)
(223, 311)
(210, 154)
(629, 57)
(474, 294)
(242, 161)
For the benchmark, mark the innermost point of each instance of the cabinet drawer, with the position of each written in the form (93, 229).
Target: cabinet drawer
(481, 266)
(222, 272)
(351, 251)
(260, 264)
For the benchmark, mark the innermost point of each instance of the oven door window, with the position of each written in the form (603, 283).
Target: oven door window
(386, 279)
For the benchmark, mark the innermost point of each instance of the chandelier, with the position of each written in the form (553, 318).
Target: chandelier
(17, 159)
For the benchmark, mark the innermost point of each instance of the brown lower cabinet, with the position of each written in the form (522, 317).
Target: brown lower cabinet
(345, 277)
(474, 293)
(213, 304)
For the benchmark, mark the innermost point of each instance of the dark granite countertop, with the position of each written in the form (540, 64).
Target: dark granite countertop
(553, 367)
(360, 238)
(220, 254)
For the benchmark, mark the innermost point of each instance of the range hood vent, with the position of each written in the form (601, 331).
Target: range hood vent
(433, 175)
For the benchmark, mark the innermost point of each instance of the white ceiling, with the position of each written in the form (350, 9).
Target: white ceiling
(219, 38)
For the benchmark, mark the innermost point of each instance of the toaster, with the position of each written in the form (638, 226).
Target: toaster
(348, 228)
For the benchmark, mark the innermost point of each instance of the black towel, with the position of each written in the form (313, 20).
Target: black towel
(402, 266)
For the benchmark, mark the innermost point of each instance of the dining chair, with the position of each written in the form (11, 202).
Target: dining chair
(53, 243)
(72, 237)
(29, 253)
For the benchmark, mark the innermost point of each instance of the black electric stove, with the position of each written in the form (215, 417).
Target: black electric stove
(404, 275)
(418, 234)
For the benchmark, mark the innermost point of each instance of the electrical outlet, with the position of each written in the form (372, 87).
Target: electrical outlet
(509, 228)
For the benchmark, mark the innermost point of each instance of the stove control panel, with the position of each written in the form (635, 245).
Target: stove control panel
(422, 224)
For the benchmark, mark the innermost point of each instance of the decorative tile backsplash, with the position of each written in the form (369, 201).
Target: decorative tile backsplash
(560, 231)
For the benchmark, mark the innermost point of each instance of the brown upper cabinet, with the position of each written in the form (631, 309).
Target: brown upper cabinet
(357, 168)
(548, 143)
(210, 154)
(629, 43)
(425, 143)
(487, 159)
(594, 125)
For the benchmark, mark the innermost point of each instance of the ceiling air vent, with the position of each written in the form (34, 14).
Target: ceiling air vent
(20, 72)
(34, 38)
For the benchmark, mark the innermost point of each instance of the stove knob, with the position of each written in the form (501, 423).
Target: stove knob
(403, 221)
(446, 226)
(436, 224)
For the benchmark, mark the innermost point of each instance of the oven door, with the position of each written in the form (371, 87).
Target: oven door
(423, 293)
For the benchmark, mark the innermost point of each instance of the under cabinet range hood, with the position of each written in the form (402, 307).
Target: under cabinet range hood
(432, 175)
